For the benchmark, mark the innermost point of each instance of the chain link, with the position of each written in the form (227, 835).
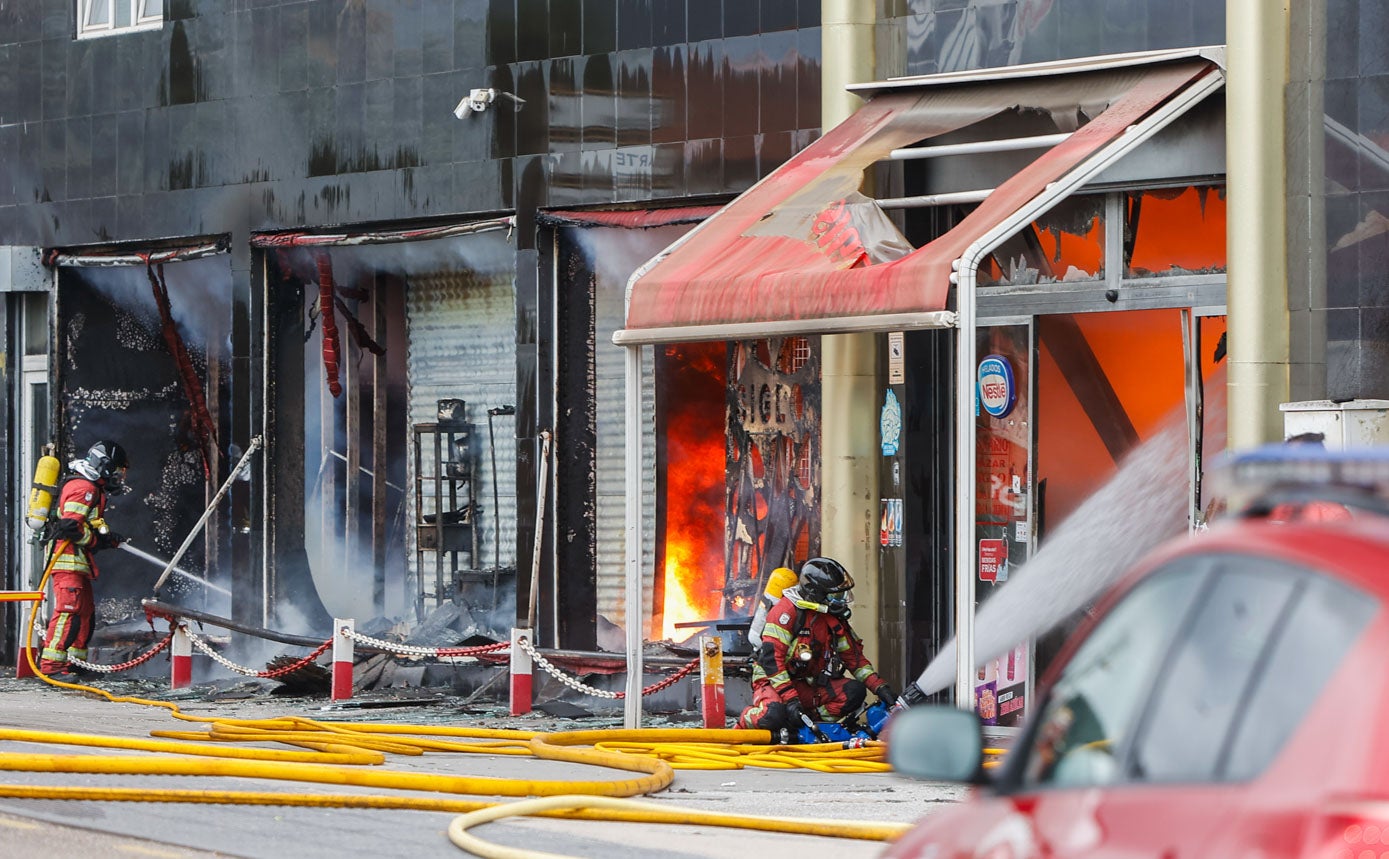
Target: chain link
(416, 650)
(579, 686)
(202, 645)
(123, 666)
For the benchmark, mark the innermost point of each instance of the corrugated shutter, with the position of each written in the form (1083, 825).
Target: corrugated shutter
(617, 253)
(462, 336)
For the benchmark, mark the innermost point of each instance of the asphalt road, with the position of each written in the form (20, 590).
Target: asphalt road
(67, 828)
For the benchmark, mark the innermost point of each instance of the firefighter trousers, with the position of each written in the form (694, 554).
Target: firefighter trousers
(70, 628)
(841, 697)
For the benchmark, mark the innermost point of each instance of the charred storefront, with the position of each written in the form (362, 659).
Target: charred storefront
(730, 434)
(1043, 269)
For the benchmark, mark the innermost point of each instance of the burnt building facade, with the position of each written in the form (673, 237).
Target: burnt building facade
(385, 247)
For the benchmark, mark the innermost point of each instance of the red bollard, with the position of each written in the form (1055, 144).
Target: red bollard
(181, 671)
(21, 668)
(520, 673)
(342, 659)
(26, 648)
(711, 681)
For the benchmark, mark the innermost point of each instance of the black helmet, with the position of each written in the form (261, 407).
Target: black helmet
(107, 460)
(821, 577)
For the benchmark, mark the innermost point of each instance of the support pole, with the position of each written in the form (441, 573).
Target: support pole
(965, 558)
(1257, 281)
(181, 668)
(631, 717)
(521, 689)
(849, 388)
(711, 704)
(342, 658)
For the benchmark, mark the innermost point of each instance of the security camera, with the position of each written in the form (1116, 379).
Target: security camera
(478, 100)
(475, 101)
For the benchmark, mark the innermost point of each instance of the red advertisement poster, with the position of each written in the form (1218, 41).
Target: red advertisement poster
(993, 555)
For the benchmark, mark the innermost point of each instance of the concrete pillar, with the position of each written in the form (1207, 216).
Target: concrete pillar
(849, 362)
(1258, 347)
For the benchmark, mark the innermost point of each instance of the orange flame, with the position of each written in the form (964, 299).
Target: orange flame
(695, 450)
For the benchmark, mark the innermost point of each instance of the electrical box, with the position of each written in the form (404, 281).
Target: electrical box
(1356, 423)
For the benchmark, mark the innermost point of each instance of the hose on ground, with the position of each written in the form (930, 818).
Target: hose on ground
(336, 752)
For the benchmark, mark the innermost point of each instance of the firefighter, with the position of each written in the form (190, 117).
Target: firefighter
(79, 532)
(807, 646)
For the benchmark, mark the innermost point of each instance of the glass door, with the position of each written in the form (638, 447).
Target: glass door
(1004, 501)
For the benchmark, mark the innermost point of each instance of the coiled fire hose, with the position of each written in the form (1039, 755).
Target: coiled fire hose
(335, 752)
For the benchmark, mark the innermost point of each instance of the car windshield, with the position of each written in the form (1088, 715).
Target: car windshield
(1200, 674)
(1092, 706)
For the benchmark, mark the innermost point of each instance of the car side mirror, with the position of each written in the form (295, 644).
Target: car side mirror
(936, 743)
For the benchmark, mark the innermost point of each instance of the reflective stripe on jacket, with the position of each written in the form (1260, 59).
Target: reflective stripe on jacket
(82, 501)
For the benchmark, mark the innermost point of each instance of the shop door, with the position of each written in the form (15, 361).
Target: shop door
(1004, 501)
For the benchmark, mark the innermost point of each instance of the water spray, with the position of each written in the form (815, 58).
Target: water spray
(160, 562)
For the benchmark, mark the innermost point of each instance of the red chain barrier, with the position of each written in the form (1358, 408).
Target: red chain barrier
(473, 651)
(289, 669)
(669, 681)
(125, 666)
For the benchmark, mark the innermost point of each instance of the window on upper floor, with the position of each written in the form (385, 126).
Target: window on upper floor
(106, 17)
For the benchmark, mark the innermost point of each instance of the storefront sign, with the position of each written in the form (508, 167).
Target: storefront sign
(993, 560)
(998, 392)
(890, 423)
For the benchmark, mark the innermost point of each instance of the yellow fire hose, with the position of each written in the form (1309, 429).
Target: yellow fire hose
(336, 751)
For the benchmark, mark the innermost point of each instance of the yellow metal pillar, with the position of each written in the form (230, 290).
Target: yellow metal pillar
(849, 362)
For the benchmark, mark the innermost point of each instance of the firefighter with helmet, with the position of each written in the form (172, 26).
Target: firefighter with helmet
(807, 646)
(79, 532)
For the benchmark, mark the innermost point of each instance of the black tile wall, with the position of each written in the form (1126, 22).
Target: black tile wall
(307, 100)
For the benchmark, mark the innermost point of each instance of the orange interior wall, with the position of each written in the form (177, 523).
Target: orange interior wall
(1141, 354)
(1182, 230)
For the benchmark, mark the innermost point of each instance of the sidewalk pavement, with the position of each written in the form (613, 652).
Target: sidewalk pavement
(32, 704)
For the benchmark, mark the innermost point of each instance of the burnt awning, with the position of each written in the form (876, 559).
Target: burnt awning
(803, 252)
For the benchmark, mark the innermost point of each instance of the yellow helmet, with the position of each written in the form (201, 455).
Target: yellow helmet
(780, 579)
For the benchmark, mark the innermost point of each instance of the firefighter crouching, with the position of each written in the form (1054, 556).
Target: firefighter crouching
(807, 646)
(78, 532)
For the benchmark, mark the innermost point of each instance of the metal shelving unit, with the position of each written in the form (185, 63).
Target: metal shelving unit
(446, 509)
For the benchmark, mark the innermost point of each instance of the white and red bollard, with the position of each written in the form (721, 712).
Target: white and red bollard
(342, 658)
(181, 670)
(711, 704)
(520, 673)
(26, 647)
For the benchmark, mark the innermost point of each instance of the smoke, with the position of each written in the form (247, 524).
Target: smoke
(1143, 505)
(200, 295)
(487, 253)
(613, 254)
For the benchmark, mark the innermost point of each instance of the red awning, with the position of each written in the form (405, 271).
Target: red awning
(792, 249)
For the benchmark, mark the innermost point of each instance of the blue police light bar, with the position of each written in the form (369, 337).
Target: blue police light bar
(1306, 464)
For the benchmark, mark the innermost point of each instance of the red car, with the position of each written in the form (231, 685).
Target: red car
(1225, 701)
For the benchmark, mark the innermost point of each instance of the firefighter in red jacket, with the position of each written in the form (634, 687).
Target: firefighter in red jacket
(807, 646)
(77, 534)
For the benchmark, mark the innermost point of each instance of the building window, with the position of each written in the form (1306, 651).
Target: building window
(105, 17)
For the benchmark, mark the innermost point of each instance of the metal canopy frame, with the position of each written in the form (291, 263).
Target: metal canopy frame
(964, 272)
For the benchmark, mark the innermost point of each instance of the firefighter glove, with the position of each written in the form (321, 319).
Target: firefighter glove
(794, 714)
(67, 529)
(109, 540)
(886, 695)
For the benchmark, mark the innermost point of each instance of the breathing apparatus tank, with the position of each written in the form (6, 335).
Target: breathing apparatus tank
(42, 490)
(780, 579)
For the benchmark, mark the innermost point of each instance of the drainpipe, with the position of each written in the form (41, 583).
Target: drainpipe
(1257, 290)
(849, 362)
